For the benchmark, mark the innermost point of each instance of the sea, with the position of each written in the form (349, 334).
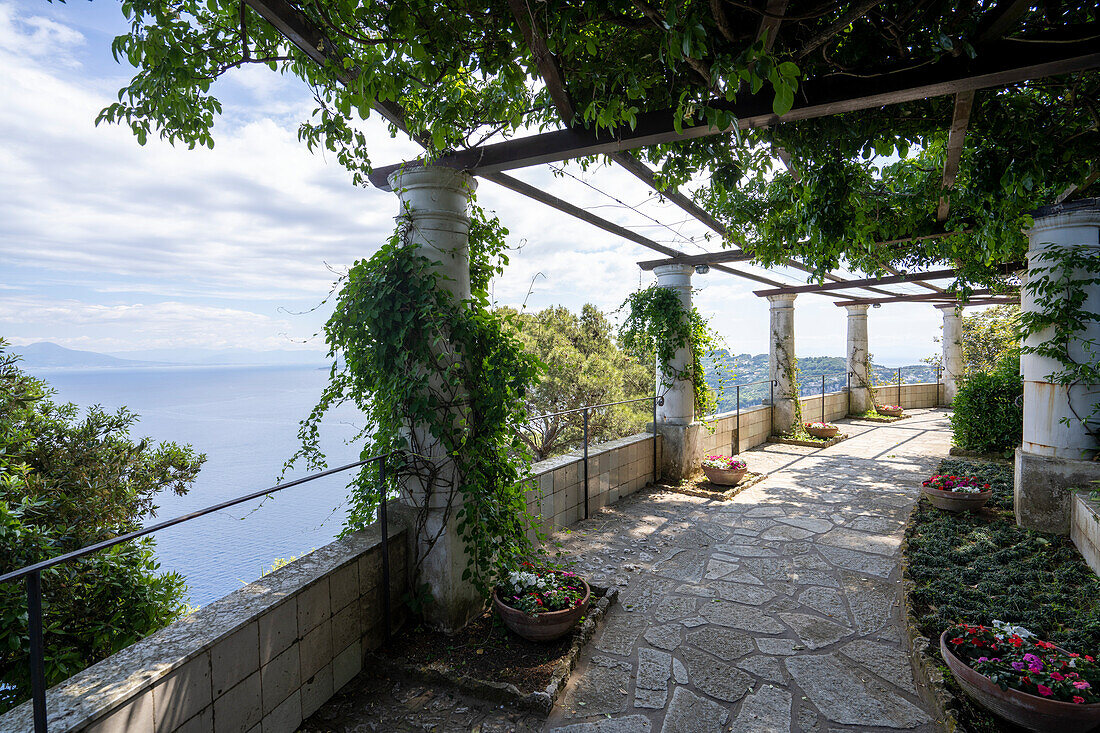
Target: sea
(245, 419)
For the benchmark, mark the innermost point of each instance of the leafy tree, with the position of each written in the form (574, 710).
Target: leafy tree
(68, 481)
(585, 366)
(988, 415)
(988, 338)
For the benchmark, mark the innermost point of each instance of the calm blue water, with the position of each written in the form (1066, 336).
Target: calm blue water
(245, 419)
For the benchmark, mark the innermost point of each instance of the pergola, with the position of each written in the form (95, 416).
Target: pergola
(1000, 64)
(1005, 55)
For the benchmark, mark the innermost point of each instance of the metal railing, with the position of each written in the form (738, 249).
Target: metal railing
(33, 573)
(585, 411)
(735, 444)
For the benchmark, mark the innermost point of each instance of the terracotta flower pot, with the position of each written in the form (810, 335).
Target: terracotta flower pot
(1030, 711)
(823, 432)
(542, 626)
(725, 476)
(889, 413)
(955, 501)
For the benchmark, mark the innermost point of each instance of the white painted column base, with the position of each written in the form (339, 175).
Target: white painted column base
(781, 357)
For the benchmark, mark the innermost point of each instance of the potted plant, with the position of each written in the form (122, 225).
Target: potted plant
(541, 603)
(956, 493)
(821, 429)
(890, 410)
(1030, 682)
(724, 470)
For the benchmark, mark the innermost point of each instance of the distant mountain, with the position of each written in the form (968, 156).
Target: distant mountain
(751, 371)
(235, 357)
(46, 355)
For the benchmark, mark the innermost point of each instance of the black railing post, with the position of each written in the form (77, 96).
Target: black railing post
(38, 656)
(382, 521)
(738, 438)
(848, 389)
(655, 399)
(899, 386)
(939, 376)
(585, 413)
(822, 398)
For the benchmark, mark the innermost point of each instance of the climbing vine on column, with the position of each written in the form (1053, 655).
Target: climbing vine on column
(656, 323)
(1059, 288)
(441, 383)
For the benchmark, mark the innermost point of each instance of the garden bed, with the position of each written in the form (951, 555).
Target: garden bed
(978, 455)
(807, 440)
(979, 567)
(879, 418)
(700, 486)
(487, 660)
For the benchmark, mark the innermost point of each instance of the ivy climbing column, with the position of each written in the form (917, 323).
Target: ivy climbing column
(676, 415)
(952, 356)
(860, 399)
(435, 203)
(781, 362)
(1057, 448)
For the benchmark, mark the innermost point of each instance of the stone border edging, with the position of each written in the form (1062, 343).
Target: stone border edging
(929, 678)
(541, 702)
(808, 443)
(883, 419)
(751, 479)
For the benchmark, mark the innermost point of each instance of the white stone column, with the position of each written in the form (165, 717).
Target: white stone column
(435, 201)
(1056, 450)
(680, 452)
(860, 400)
(679, 394)
(952, 356)
(781, 359)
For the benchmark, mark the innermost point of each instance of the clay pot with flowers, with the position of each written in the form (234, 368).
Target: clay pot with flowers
(1030, 682)
(724, 470)
(541, 603)
(956, 493)
(890, 410)
(821, 429)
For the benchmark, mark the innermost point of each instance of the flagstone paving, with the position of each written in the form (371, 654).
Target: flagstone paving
(777, 611)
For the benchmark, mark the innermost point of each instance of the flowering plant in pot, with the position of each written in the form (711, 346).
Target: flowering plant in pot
(821, 429)
(956, 493)
(724, 470)
(541, 603)
(889, 410)
(1030, 682)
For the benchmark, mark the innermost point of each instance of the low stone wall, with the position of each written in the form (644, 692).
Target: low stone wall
(1084, 528)
(912, 395)
(615, 469)
(262, 658)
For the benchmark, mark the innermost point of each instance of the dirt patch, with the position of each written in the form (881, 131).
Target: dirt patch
(485, 649)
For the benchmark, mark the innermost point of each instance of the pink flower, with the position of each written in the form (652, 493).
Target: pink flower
(1078, 699)
(1057, 677)
(1045, 691)
(1082, 685)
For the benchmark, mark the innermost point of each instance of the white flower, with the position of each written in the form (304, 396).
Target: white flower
(1008, 629)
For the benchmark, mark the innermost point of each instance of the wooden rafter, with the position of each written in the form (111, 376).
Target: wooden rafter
(1005, 269)
(1000, 19)
(999, 65)
(960, 120)
(708, 258)
(977, 296)
(544, 59)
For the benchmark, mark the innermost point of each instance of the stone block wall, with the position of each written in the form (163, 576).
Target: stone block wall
(615, 469)
(260, 659)
(1084, 528)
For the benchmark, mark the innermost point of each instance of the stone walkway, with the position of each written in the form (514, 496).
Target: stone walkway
(777, 611)
(774, 612)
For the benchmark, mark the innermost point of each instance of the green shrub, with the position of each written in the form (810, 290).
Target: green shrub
(988, 416)
(66, 482)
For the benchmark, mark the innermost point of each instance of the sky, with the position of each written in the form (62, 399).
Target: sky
(109, 246)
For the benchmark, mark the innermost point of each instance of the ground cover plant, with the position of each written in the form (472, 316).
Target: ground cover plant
(978, 567)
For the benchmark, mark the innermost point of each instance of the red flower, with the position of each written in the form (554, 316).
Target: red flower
(1045, 691)
(1078, 699)
(1089, 659)
(1044, 645)
(957, 640)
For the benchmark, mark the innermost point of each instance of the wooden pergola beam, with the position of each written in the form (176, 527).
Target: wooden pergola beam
(929, 298)
(998, 65)
(1005, 269)
(709, 258)
(1000, 19)
(960, 120)
(544, 59)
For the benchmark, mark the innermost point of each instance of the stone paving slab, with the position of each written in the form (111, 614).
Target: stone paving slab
(774, 611)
